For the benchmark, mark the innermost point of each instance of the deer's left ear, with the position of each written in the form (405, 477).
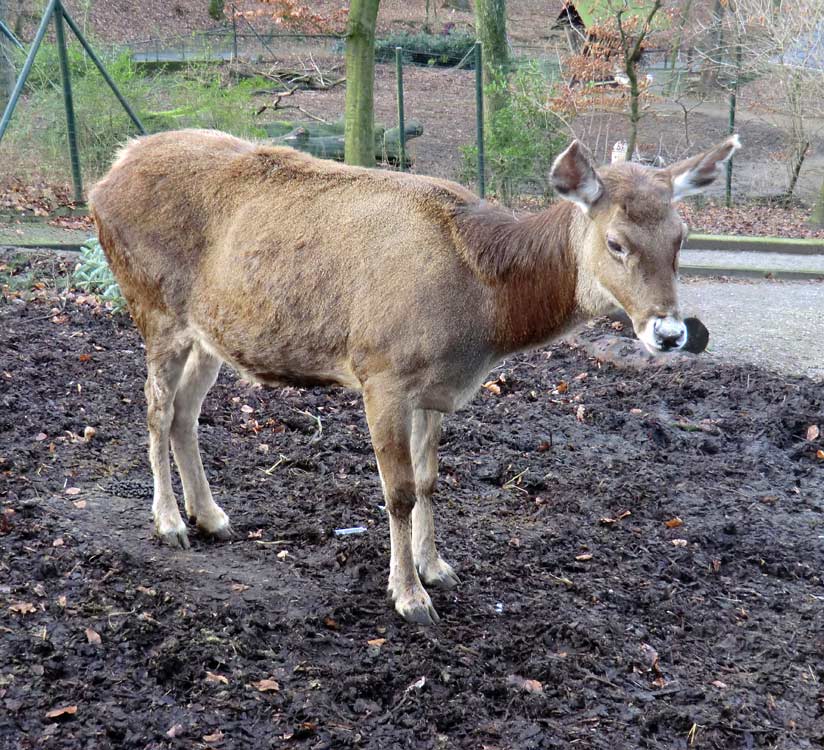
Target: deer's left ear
(693, 176)
(574, 179)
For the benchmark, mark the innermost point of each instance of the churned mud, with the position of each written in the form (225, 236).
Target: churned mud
(641, 550)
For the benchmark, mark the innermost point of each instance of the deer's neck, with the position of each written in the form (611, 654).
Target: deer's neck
(530, 266)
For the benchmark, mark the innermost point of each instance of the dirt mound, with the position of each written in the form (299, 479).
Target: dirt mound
(640, 552)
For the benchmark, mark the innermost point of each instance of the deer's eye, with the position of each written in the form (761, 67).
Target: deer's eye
(616, 248)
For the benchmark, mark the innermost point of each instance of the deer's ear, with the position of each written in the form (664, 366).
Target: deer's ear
(574, 179)
(693, 176)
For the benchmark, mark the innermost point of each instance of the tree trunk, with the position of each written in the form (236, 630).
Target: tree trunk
(817, 217)
(490, 28)
(359, 115)
(676, 46)
(709, 74)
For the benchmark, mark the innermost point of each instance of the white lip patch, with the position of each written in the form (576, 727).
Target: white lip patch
(657, 329)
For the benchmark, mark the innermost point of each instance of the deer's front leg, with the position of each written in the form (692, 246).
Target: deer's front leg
(432, 568)
(390, 425)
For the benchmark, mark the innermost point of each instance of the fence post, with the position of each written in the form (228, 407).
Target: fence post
(733, 97)
(479, 116)
(24, 74)
(401, 123)
(68, 100)
(234, 33)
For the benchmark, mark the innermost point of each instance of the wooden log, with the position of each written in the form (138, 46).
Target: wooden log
(316, 139)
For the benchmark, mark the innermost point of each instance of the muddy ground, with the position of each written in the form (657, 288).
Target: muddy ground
(641, 553)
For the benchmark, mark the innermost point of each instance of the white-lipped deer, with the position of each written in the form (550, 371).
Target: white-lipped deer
(410, 289)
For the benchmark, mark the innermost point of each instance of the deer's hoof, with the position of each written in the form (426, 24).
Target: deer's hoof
(214, 524)
(416, 608)
(439, 573)
(223, 534)
(176, 538)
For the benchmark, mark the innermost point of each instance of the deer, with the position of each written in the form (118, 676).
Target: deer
(410, 289)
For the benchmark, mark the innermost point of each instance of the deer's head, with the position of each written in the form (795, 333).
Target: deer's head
(630, 237)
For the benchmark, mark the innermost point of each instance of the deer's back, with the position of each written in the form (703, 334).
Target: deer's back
(275, 256)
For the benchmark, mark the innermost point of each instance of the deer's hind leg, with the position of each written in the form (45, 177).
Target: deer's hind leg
(166, 355)
(426, 433)
(198, 377)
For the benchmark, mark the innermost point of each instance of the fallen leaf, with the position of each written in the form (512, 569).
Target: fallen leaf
(79, 504)
(283, 554)
(56, 713)
(331, 623)
(147, 591)
(40, 436)
(214, 737)
(813, 432)
(581, 376)
(522, 683)
(606, 520)
(73, 490)
(579, 414)
(493, 387)
(246, 409)
(584, 557)
(212, 677)
(673, 523)
(175, 731)
(562, 387)
(650, 656)
(23, 608)
(266, 686)
(238, 587)
(58, 542)
(85, 357)
(636, 411)
(377, 642)
(679, 542)
(417, 685)
(93, 637)
(718, 684)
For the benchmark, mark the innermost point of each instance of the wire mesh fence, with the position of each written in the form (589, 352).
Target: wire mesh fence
(253, 79)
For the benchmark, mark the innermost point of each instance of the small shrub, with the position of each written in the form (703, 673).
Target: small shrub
(441, 50)
(521, 140)
(45, 71)
(36, 143)
(216, 10)
(93, 275)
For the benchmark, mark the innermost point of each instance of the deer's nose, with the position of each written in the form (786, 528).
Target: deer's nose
(669, 333)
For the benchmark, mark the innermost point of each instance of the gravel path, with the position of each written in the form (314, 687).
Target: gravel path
(778, 325)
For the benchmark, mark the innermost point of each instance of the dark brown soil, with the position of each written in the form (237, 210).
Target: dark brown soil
(582, 621)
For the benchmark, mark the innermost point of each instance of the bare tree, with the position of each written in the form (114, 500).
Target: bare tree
(783, 48)
(632, 38)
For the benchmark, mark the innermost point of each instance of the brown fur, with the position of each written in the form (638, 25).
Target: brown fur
(301, 271)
